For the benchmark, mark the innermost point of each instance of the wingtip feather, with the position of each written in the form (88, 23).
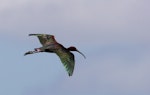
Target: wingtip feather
(31, 34)
(70, 75)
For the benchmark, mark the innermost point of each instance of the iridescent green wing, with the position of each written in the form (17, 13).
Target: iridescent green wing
(44, 39)
(67, 58)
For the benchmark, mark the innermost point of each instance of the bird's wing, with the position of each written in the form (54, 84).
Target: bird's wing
(67, 58)
(44, 39)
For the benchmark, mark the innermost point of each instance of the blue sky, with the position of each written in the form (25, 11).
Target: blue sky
(113, 34)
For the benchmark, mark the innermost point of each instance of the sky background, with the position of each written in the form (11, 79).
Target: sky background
(113, 34)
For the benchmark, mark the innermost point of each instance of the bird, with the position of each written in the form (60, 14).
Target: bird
(50, 45)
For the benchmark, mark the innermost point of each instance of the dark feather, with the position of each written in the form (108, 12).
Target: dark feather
(44, 39)
(67, 58)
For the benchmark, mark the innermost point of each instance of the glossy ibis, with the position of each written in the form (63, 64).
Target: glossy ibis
(49, 44)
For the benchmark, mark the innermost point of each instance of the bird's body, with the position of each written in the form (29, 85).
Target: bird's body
(49, 44)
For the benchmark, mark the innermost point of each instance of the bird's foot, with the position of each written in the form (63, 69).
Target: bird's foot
(29, 52)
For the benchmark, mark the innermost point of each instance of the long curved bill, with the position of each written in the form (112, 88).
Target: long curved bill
(81, 53)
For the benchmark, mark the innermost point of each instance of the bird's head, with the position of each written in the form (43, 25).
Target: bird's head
(72, 48)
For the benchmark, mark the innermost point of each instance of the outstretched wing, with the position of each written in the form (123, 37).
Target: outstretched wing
(44, 39)
(67, 58)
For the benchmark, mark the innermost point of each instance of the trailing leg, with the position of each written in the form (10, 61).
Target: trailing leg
(31, 52)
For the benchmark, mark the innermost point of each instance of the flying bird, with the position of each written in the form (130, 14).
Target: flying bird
(49, 44)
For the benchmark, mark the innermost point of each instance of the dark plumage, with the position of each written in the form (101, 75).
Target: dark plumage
(49, 44)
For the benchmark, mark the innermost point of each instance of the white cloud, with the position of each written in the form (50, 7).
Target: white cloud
(92, 22)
